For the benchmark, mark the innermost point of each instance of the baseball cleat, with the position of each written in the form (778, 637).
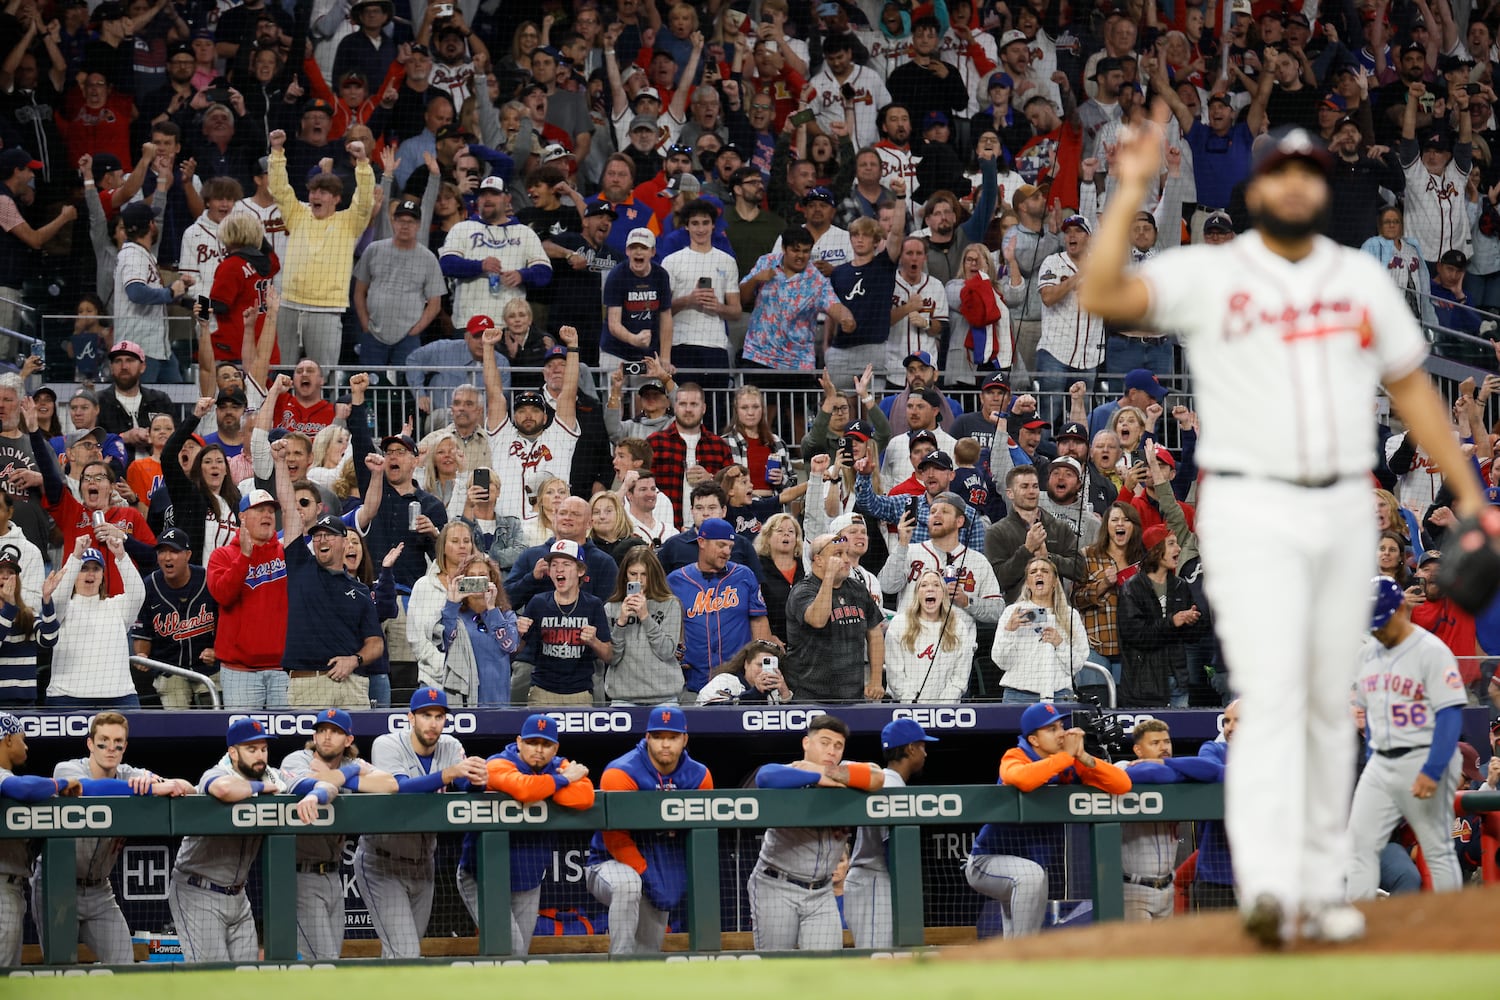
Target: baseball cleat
(1335, 923)
(1263, 922)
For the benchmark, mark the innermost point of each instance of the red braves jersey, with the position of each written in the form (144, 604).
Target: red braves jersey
(74, 520)
(293, 416)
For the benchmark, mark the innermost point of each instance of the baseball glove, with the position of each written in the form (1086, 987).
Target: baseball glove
(1470, 570)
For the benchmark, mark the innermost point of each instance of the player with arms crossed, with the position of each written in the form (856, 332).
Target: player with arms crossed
(791, 889)
(1288, 336)
(1413, 697)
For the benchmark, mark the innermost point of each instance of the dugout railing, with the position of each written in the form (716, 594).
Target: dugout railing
(699, 815)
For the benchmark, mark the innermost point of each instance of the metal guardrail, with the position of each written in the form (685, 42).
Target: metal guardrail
(183, 672)
(1107, 682)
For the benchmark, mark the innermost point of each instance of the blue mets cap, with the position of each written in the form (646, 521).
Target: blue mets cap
(1039, 716)
(245, 731)
(666, 719)
(900, 732)
(429, 697)
(539, 727)
(336, 717)
(1388, 597)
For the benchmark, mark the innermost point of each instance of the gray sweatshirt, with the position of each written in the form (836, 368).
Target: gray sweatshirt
(644, 669)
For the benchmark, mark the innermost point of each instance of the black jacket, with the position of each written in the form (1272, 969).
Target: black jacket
(1152, 649)
(116, 420)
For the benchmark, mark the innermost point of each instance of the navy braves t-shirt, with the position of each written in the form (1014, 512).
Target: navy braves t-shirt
(867, 289)
(642, 300)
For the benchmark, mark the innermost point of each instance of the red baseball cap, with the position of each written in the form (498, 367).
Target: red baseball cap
(479, 324)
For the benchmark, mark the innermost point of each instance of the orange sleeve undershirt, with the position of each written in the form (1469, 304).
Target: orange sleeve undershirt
(619, 843)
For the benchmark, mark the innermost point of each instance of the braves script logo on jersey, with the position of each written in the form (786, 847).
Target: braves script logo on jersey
(266, 572)
(483, 239)
(1317, 321)
(531, 455)
(179, 629)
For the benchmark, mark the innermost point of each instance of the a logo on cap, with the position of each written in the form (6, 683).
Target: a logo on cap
(666, 715)
(541, 724)
(432, 694)
(255, 725)
(1051, 710)
(329, 715)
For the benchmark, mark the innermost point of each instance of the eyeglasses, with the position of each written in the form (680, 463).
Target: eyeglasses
(762, 107)
(96, 478)
(677, 149)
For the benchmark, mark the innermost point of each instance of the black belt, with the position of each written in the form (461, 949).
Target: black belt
(1149, 341)
(92, 883)
(800, 883)
(318, 867)
(1309, 484)
(223, 890)
(1149, 882)
(1403, 751)
(379, 853)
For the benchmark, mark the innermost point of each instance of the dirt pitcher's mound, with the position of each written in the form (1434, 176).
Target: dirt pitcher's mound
(1422, 922)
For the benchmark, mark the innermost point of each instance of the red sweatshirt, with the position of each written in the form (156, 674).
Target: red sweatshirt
(251, 592)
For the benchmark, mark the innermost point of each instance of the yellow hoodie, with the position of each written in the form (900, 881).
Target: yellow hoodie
(320, 252)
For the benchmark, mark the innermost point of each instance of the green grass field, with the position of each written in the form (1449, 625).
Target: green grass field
(1365, 977)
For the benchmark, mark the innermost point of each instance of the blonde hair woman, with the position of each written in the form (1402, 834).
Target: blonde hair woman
(1041, 642)
(608, 525)
(976, 308)
(546, 493)
(929, 647)
(328, 454)
(455, 548)
(441, 473)
(779, 546)
(1128, 424)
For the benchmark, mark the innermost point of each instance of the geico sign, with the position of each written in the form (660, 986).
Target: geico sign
(72, 817)
(287, 724)
(456, 722)
(592, 722)
(778, 720)
(55, 725)
(1128, 722)
(715, 810)
(275, 814)
(464, 812)
(938, 718)
(1104, 804)
(909, 806)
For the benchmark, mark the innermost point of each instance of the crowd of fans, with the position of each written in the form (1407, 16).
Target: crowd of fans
(578, 242)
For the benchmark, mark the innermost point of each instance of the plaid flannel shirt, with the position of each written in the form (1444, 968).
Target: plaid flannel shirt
(890, 509)
(669, 459)
(1098, 601)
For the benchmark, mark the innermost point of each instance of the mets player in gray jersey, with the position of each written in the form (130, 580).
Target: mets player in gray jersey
(394, 872)
(791, 889)
(867, 887)
(329, 756)
(207, 890)
(101, 925)
(1409, 687)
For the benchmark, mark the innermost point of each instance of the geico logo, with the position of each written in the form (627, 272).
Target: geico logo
(713, 958)
(715, 810)
(289, 967)
(467, 811)
(1128, 722)
(55, 725)
(591, 722)
(59, 818)
(56, 973)
(922, 805)
(457, 722)
(939, 718)
(284, 725)
(275, 814)
(1104, 804)
(778, 720)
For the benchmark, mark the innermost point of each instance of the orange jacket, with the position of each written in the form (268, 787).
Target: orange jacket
(1018, 770)
(504, 777)
(619, 843)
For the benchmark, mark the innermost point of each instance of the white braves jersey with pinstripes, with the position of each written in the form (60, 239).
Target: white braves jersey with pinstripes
(1402, 689)
(322, 848)
(971, 569)
(869, 841)
(1286, 357)
(1437, 212)
(12, 852)
(518, 460)
(906, 338)
(1072, 336)
(393, 754)
(95, 855)
(225, 860)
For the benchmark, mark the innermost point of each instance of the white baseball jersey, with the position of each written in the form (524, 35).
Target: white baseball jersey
(870, 96)
(95, 856)
(201, 253)
(886, 54)
(144, 323)
(1069, 334)
(694, 326)
(954, 50)
(833, 246)
(225, 860)
(1437, 213)
(898, 162)
(1329, 327)
(896, 466)
(457, 80)
(274, 225)
(1402, 689)
(869, 841)
(517, 459)
(515, 245)
(393, 754)
(970, 568)
(906, 338)
(1417, 487)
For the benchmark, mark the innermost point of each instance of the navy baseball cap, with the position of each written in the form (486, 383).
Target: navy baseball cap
(245, 730)
(819, 194)
(1041, 715)
(941, 459)
(900, 732)
(716, 529)
(1145, 381)
(539, 727)
(336, 717)
(428, 697)
(1387, 601)
(173, 538)
(554, 352)
(921, 356)
(667, 718)
(91, 554)
(863, 430)
(330, 523)
(1072, 430)
(1289, 143)
(529, 397)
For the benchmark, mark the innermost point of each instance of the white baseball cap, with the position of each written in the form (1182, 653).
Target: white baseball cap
(643, 237)
(563, 547)
(1013, 35)
(495, 184)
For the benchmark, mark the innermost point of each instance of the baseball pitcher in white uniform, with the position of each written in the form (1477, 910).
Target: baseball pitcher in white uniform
(867, 886)
(1413, 700)
(1288, 336)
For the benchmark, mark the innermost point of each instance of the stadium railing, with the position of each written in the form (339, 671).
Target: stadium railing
(699, 814)
(158, 667)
